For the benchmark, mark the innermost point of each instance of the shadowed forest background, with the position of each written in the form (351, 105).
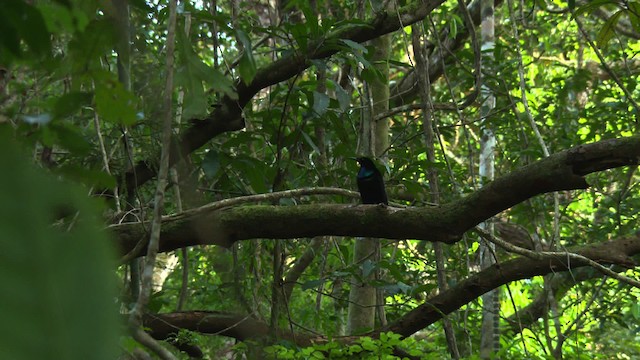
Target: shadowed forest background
(178, 179)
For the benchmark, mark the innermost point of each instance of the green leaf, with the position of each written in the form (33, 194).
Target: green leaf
(89, 177)
(608, 29)
(47, 137)
(591, 6)
(221, 83)
(635, 310)
(21, 22)
(312, 284)
(59, 280)
(383, 337)
(247, 66)
(58, 17)
(66, 3)
(311, 143)
(369, 345)
(141, 5)
(115, 104)
(371, 74)
(356, 47)
(320, 103)
(453, 27)
(211, 163)
(253, 171)
(195, 105)
(192, 73)
(311, 18)
(300, 34)
(344, 99)
(367, 267)
(9, 42)
(70, 138)
(424, 288)
(634, 14)
(69, 103)
(88, 46)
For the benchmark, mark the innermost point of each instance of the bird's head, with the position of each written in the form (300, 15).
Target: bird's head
(366, 163)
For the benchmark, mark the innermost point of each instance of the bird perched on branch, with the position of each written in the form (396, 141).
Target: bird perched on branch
(370, 183)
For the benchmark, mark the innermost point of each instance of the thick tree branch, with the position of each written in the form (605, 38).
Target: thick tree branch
(551, 255)
(444, 223)
(164, 326)
(610, 252)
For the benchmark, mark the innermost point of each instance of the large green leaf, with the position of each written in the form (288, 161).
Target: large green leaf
(87, 47)
(21, 22)
(247, 65)
(190, 75)
(211, 163)
(69, 103)
(608, 29)
(320, 103)
(115, 104)
(634, 14)
(89, 177)
(57, 301)
(70, 137)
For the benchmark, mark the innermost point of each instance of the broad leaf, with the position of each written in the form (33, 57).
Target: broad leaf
(58, 280)
(115, 104)
(247, 65)
(69, 103)
(320, 103)
(211, 163)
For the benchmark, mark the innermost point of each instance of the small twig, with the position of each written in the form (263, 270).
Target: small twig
(105, 158)
(264, 197)
(135, 318)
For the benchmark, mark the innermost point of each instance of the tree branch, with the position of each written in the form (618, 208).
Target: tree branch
(609, 252)
(242, 327)
(445, 223)
(541, 255)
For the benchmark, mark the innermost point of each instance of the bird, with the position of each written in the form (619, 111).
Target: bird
(370, 183)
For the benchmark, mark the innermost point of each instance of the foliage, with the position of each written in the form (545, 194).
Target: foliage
(363, 348)
(57, 277)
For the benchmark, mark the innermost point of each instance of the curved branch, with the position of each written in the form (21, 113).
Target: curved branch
(445, 223)
(551, 255)
(164, 326)
(610, 252)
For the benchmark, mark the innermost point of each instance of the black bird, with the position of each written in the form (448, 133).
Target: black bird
(370, 183)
